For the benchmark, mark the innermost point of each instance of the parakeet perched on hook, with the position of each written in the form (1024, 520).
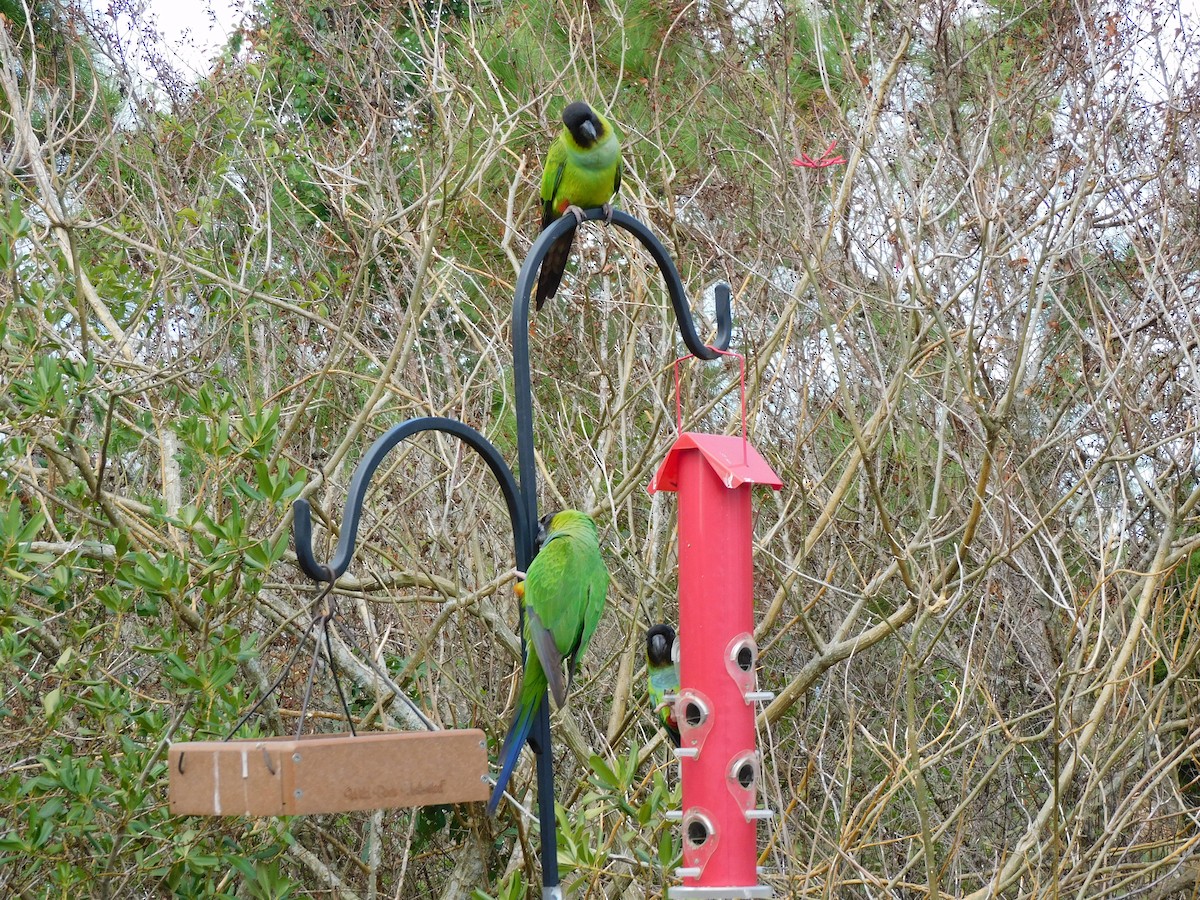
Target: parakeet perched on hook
(563, 594)
(662, 673)
(583, 170)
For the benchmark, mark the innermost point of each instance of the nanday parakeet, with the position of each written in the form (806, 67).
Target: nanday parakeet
(563, 593)
(662, 675)
(583, 170)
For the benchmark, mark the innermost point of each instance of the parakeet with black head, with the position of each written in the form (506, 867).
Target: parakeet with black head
(563, 596)
(662, 673)
(583, 170)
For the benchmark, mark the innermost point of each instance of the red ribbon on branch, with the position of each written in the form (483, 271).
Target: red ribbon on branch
(825, 161)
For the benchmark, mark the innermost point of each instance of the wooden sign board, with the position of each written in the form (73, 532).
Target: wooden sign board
(327, 773)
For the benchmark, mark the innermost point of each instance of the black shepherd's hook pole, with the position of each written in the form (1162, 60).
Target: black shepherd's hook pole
(539, 735)
(521, 497)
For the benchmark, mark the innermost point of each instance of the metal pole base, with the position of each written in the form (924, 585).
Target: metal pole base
(552, 893)
(719, 893)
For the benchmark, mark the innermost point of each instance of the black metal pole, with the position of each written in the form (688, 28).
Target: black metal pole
(521, 497)
(539, 732)
(539, 735)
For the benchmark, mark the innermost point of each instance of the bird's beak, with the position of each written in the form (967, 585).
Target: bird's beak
(589, 130)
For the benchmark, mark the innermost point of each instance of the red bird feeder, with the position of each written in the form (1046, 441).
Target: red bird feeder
(720, 764)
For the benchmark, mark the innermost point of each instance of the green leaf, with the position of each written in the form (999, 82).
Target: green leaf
(51, 702)
(604, 773)
(667, 852)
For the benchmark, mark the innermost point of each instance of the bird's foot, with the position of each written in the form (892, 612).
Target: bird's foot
(577, 213)
(608, 211)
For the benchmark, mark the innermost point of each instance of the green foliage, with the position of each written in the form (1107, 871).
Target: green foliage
(48, 42)
(259, 257)
(317, 45)
(263, 880)
(623, 815)
(321, 239)
(14, 226)
(512, 888)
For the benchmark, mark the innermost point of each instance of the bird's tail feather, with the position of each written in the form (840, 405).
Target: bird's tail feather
(518, 733)
(553, 266)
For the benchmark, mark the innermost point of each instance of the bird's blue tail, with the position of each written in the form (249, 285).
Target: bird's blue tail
(518, 732)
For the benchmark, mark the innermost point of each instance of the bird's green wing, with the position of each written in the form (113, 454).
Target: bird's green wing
(552, 176)
(545, 651)
(593, 607)
(554, 611)
(565, 590)
(596, 577)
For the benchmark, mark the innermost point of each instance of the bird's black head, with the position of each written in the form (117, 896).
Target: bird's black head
(543, 530)
(659, 640)
(585, 126)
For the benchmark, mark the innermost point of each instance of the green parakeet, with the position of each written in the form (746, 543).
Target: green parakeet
(563, 593)
(583, 170)
(662, 673)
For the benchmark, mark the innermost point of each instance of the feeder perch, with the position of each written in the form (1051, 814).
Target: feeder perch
(693, 712)
(327, 773)
(720, 766)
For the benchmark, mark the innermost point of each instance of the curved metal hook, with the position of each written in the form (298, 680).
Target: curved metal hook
(302, 512)
(526, 463)
(675, 288)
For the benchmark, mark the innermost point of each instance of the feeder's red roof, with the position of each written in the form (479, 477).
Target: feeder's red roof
(732, 458)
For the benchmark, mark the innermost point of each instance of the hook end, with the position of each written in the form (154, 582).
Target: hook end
(302, 535)
(723, 295)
